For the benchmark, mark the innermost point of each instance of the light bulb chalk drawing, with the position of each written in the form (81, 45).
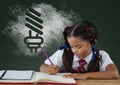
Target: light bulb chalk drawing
(33, 22)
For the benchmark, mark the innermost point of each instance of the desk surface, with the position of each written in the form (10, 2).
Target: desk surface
(98, 82)
(84, 82)
(81, 82)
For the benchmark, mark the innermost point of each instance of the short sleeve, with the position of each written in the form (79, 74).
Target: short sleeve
(56, 58)
(106, 60)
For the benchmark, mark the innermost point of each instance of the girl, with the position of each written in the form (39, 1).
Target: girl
(79, 56)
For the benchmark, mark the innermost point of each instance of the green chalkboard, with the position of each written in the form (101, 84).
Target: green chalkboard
(14, 53)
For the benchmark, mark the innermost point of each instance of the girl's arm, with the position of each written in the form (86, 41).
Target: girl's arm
(110, 73)
(51, 69)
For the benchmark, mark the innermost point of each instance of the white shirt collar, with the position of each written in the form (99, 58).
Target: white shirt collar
(87, 58)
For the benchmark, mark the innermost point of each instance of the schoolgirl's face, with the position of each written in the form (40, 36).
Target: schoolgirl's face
(81, 48)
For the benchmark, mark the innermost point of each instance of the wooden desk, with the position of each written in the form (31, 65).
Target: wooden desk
(84, 82)
(79, 82)
(98, 82)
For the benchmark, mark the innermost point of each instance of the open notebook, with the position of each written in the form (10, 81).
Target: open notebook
(15, 74)
(37, 78)
(53, 79)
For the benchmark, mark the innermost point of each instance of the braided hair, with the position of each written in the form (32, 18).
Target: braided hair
(67, 54)
(84, 30)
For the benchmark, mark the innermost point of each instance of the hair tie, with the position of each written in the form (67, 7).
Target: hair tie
(88, 29)
(93, 52)
(69, 27)
(63, 47)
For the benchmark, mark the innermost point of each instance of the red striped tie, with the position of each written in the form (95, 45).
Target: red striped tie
(81, 68)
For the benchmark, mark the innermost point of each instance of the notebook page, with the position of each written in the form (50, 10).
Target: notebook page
(45, 77)
(16, 74)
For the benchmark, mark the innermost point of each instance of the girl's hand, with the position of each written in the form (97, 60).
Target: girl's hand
(76, 76)
(52, 69)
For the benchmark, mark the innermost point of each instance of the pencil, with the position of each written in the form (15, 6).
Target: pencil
(46, 55)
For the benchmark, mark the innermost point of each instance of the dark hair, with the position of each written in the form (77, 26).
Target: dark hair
(68, 54)
(84, 30)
